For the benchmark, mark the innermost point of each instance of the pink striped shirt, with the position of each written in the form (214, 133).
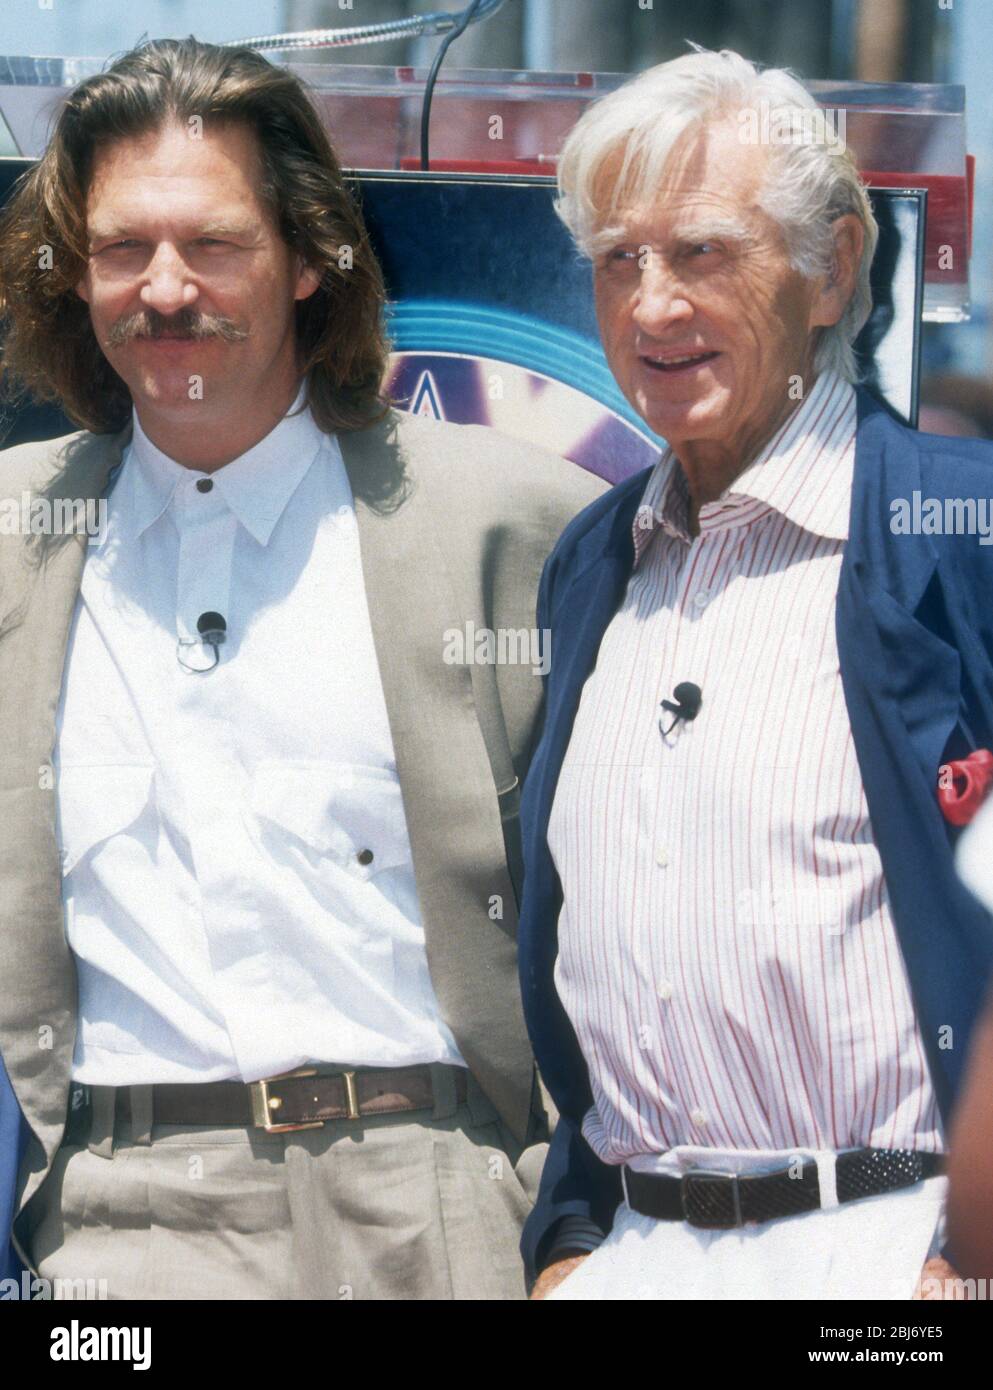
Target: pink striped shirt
(727, 954)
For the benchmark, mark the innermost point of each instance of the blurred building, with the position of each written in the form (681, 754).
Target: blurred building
(884, 40)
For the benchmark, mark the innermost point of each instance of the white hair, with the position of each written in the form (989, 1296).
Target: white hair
(812, 179)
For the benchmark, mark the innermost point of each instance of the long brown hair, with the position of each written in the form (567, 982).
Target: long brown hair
(49, 348)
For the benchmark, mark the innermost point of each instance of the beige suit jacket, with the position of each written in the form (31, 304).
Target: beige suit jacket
(455, 523)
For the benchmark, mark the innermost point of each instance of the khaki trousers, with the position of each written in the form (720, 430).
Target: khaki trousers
(419, 1205)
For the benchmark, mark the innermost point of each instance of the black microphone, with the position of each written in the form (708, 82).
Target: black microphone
(688, 699)
(213, 630)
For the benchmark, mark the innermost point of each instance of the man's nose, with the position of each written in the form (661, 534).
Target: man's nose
(661, 298)
(168, 284)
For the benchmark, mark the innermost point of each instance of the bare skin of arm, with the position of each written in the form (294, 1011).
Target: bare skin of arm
(551, 1277)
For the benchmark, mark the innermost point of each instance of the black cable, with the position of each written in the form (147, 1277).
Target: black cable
(465, 19)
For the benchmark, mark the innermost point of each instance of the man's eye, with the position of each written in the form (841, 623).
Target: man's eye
(702, 248)
(621, 253)
(128, 244)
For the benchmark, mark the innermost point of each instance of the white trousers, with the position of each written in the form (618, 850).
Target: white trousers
(869, 1249)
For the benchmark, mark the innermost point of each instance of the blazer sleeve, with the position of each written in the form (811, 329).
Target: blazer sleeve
(574, 1183)
(13, 1134)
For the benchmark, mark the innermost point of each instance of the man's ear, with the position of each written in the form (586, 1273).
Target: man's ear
(308, 280)
(837, 287)
(82, 291)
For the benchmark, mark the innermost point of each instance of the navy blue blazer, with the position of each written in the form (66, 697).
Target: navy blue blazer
(13, 1135)
(914, 619)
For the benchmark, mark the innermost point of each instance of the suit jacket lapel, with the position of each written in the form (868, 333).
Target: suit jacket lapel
(38, 590)
(580, 614)
(453, 817)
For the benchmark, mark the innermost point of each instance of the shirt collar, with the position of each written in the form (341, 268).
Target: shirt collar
(256, 486)
(804, 472)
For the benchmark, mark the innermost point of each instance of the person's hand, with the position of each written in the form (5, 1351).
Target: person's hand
(554, 1274)
(935, 1282)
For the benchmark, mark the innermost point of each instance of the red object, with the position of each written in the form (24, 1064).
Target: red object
(483, 166)
(971, 779)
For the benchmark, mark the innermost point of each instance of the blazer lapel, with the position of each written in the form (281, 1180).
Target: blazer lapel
(580, 614)
(446, 781)
(38, 590)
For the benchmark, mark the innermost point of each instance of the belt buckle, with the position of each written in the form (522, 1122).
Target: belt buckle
(696, 1201)
(263, 1104)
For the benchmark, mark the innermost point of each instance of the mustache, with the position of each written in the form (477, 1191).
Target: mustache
(188, 323)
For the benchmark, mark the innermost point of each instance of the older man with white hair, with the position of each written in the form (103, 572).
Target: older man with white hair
(749, 969)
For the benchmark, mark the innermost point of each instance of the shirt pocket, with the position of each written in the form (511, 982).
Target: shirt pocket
(351, 816)
(97, 801)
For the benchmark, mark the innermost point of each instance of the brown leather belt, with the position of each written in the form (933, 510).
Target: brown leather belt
(303, 1099)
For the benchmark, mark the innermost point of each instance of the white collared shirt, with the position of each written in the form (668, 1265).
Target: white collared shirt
(727, 954)
(238, 881)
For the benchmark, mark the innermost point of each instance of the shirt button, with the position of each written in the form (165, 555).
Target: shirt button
(665, 991)
(702, 599)
(698, 1117)
(204, 484)
(662, 856)
(365, 856)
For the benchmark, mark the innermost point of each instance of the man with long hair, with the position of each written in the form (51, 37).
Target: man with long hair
(259, 1003)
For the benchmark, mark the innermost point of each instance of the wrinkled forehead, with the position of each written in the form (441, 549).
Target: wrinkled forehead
(172, 149)
(708, 179)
